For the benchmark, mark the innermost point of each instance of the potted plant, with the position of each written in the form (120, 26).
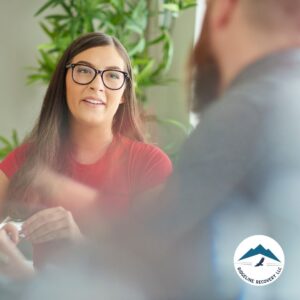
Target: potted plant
(129, 21)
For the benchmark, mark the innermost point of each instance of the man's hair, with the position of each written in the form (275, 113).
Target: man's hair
(283, 15)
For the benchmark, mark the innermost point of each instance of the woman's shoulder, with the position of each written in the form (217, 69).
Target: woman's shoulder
(148, 165)
(13, 161)
(143, 148)
(146, 155)
(20, 152)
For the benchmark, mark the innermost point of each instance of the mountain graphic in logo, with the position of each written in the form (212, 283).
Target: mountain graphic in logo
(259, 250)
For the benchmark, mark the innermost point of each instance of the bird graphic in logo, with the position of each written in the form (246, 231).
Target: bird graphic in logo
(260, 263)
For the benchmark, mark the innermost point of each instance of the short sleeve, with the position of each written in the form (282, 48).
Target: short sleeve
(13, 161)
(149, 167)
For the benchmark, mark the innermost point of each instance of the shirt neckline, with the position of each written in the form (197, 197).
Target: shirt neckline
(106, 154)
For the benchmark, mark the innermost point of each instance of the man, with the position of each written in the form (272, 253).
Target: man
(239, 173)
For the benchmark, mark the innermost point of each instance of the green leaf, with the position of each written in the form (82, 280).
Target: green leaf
(186, 129)
(46, 30)
(117, 4)
(66, 8)
(15, 138)
(139, 47)
(5, 141)
(188, 4)
(132, 26)
(157, 40)
(171, 7)
(45, 47)
(165, 64)
(140, 14)
(8, 145)
(145, 72)
(57, 17)
(45, 6)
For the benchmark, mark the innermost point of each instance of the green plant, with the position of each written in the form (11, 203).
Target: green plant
(172, 147)
(129, 21)
(8, 145)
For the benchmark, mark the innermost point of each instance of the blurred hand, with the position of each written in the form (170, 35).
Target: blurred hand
(47, 185)
(51, 224)
(12, 231)
(54, 189)
(12, 262)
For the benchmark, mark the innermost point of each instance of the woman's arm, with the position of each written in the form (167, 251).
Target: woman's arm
(65, 199)
(58, 190)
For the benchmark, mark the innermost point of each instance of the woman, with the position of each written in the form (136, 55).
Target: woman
(87, 131)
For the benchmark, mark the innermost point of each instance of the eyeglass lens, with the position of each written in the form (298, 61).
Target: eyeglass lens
(112, 79)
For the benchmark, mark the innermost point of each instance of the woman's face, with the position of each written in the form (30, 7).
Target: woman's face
(94, 104)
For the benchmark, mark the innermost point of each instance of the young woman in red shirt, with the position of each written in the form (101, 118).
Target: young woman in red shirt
(88, 131)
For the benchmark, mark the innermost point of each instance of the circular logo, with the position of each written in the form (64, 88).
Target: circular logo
(259, 260)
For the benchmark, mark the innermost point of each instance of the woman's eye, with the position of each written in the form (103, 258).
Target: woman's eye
(114, 75)
(84, 70)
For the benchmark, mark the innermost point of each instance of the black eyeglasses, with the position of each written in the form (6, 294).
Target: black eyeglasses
(112, 79)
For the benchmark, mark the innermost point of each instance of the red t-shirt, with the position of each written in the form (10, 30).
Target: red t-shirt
(126, 169)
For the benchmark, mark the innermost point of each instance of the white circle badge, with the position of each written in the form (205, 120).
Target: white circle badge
(259, 260)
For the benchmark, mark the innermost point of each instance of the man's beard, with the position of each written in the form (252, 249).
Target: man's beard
(204, 71)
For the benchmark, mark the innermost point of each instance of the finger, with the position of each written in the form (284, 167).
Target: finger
(47, 229)
(43, 217)
(50, 236)
(12, 232)
(4, 239)
(12, 262)
(4, 244)
(7, 247)
(43, 214)
(4, 259)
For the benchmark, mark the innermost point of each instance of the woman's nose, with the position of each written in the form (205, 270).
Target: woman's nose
(97, 83)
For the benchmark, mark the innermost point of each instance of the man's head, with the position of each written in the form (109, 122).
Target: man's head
(274, 15)
(236, 33)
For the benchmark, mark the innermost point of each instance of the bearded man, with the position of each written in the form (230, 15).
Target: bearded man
(239, 172)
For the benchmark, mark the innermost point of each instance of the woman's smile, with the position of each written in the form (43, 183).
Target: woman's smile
(94, 101)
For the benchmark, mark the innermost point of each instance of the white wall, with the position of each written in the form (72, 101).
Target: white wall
(170, 101)
(20, 103)
(19, 33)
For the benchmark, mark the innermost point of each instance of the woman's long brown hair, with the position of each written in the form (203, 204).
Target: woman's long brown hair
(46, 142)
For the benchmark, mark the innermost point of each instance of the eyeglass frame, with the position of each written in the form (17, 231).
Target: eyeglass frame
(97, 72)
